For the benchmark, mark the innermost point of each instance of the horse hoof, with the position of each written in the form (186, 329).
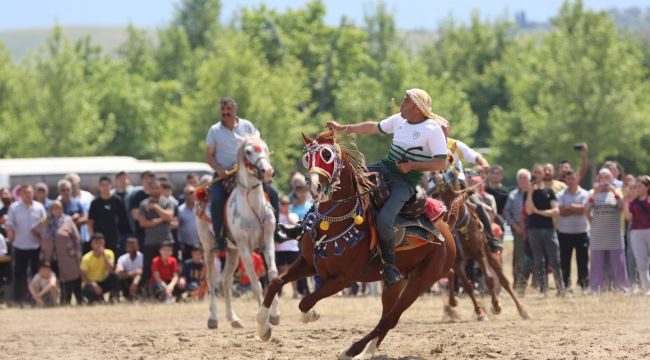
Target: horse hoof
(236, 324)
(526, 316)
(267, 335)
(369, 351)
(274, 320)
(213, 324)
(343, 355)
(310, 316)
(483, 317)
(496, 310)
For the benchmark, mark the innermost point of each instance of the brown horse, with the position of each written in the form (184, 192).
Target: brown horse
(468, 230)
(338, 248)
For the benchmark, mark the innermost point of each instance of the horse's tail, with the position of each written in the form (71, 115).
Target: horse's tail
(459, 200)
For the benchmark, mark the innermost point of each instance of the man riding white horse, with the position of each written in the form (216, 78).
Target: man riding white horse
(418, 145)
(222, 142)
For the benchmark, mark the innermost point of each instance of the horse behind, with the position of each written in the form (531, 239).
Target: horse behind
(249, 224)
(472, 243)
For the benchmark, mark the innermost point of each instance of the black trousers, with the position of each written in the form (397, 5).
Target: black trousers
(24, 260)
(71, 287)
(148, 253)
(579, 242)
(111, 285)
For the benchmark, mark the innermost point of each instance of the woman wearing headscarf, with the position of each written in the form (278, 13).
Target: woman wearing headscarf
(606, 205)
(60, 242)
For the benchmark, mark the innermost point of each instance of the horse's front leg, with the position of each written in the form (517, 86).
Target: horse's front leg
(330, 287)
(232, 258)
(269, 255)
(298, 270)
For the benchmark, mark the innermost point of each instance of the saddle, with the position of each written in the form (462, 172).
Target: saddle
(413, 208)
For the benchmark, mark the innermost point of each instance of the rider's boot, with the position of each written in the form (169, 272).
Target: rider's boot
(389, 272)
(220, 243)
(290, 231)
(279, 235)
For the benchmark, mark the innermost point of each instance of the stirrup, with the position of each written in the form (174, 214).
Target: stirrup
(390, 274)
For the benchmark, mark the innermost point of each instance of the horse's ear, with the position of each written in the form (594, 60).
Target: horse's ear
(306, 139)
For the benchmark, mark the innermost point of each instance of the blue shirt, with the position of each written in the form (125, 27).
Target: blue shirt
(300, 210)
(227, 141)
(73, 207)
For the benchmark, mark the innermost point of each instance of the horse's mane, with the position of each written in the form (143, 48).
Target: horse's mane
(457, 203)
(355, 159)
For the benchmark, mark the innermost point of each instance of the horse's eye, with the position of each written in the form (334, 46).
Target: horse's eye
(327, 155)
(248, 151)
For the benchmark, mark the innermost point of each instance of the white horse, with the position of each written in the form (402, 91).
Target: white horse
(249, 225)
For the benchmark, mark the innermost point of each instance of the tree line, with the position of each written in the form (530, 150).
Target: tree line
(527, 96)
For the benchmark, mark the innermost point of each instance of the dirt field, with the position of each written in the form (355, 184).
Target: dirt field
(580, 327)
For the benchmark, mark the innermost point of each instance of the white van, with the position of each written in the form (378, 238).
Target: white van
(50, 170)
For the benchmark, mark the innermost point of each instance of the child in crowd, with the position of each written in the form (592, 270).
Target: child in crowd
(43, 286)
(260, 271)
(192, 273)
(164, 273)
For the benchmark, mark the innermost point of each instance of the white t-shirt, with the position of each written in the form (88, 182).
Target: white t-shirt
(427, 137)
(40, 283)
(124, 262)
(463, 152)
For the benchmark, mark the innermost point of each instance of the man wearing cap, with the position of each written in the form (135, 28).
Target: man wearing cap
(222, 142)
(418, 145)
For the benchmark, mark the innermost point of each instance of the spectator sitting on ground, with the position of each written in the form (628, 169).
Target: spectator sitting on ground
(43, 286)
(164, 273)
(260, 271)
(129, 269)
(97, 272)
(192, 273)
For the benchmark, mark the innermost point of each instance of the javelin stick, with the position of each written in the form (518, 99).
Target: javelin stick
(229, 173)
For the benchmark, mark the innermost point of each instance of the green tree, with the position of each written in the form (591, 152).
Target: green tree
(199, 19)
(583, 82)
(471, 55)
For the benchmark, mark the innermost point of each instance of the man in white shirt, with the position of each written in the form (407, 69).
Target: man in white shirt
(22, 217)
(418, 145)
(129, 269)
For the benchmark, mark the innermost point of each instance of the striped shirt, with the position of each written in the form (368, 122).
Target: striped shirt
(606, 231)
(413, 142)
(156, 235)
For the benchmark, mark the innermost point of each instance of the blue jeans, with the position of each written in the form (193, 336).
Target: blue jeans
(218, 198)
(400, 192)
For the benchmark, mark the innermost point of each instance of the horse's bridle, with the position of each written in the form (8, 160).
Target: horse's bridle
(319, 164)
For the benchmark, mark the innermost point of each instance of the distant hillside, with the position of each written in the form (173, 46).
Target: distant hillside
(20, 42)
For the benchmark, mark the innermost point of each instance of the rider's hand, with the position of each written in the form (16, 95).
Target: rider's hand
(483, 169)
(333, 125)
(221, 174)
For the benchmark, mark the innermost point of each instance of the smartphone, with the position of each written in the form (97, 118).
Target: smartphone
(577, 147)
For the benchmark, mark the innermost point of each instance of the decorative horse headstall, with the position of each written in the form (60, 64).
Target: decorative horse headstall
(324, 159)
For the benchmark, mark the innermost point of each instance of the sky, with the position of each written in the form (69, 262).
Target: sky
(409, 14)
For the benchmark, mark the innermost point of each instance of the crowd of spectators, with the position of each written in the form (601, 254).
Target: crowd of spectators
(127, 243)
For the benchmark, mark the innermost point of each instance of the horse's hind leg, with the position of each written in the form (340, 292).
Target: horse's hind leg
(489, 280)
(496, 266)
(469, 288)
(211, 280)
(450, 313)
(419, 279)
(298, 270)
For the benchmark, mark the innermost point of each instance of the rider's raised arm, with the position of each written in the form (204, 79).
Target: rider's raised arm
(364, 128)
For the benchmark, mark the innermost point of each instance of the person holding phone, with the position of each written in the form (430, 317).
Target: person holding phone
(605, 205)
